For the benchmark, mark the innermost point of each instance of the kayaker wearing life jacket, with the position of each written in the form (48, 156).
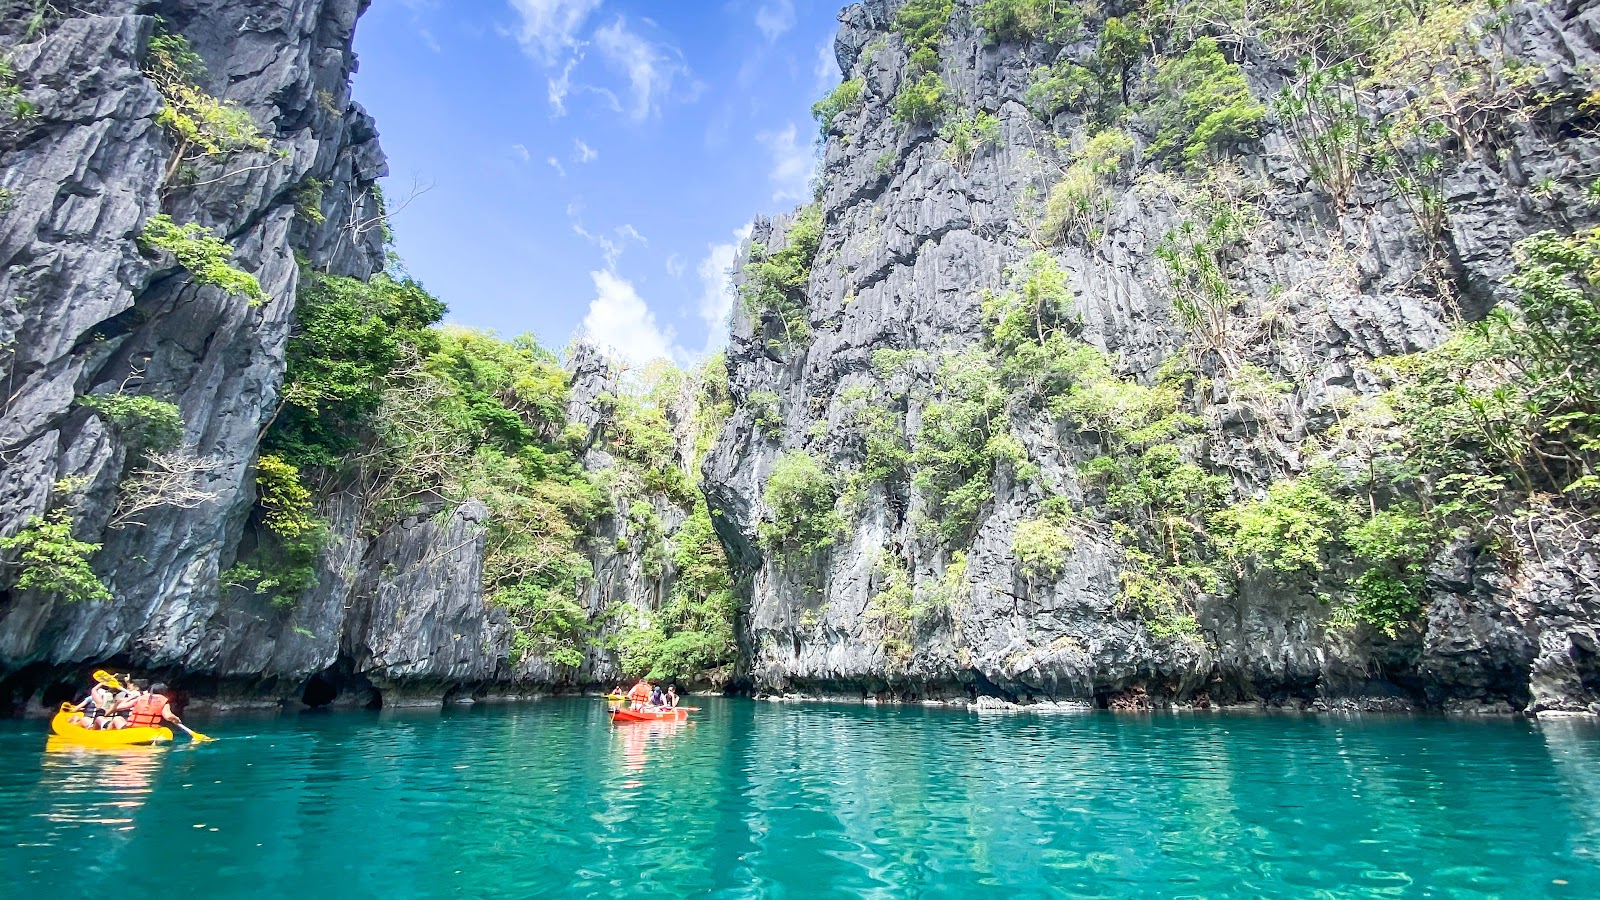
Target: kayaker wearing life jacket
(639, 694)
(152, 708)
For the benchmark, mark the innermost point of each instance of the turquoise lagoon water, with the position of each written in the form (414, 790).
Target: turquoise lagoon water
(760, 800)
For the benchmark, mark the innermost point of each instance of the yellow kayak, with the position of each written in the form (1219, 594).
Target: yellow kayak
(116, 737)
(615, 697)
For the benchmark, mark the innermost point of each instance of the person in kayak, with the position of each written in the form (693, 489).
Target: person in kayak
(639, 694)
(656, 697)
(152, 708)
(672, 696)
(123, 701)
(93, 710)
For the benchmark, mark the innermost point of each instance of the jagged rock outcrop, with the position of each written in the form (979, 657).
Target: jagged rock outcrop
(84, 309)
(397, 615)
(914, 235)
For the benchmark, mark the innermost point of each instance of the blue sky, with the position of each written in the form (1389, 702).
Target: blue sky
(589, 164)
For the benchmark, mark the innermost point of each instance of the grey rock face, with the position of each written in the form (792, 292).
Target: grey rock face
(913, 238)
(83, 310)
(398, 614)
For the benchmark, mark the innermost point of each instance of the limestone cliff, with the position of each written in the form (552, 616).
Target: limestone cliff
(87, 310)
(96, 319)
(920, 224)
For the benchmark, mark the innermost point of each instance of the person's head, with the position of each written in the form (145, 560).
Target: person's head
(158, 688)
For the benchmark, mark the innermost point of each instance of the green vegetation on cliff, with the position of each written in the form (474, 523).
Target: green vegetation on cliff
(776, 281)
(844, 98)
(384, 405)
(802, 495)
(49, 559)
(203, 254)
(202, 127)
(1020, 21)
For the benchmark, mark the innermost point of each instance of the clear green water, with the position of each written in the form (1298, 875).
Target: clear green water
(756, 800)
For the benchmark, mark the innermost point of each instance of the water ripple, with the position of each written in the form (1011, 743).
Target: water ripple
(754, 800)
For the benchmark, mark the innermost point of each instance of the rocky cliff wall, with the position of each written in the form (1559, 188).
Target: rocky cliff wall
(916, 232)
(86, 310)
(398, 613)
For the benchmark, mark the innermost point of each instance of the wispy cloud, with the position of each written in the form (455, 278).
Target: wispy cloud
(610, 247)
(774, 17)
(582, 152)
(521, 152)
(620, 321)
(793, 161)
(717, 293)
(652, 69)
(556, 164)
(561, 85)
(610, 250)
(676, 265)
(825, 74)
(549, 28)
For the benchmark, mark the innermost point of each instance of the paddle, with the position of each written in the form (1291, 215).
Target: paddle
(195, 736)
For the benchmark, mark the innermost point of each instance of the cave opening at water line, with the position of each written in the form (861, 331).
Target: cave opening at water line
(319, 692)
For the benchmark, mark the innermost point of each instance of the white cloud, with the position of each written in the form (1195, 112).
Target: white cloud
(561, 86)
(651, 69)
(549, 28)
(717, 294)
(826, 72)
(792, 164)
(556, 164)
(676, 265)
(610, 250)
(619, 320)
(585, 153)
(774, 17)
(521, 152)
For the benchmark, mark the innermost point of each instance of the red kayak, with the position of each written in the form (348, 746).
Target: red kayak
(625, 716)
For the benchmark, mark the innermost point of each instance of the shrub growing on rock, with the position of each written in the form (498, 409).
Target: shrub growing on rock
(1204, 104)
(801, 495)
(203, 255)
(776, 282)
(1041, 547)
(1078, 203)
(921, 102)
(844, 98)
(1020, 21)
(201, 125)
(145, 424)
(52, 561)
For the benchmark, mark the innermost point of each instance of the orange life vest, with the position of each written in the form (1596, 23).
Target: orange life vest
(146, 711)
(639, 693)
